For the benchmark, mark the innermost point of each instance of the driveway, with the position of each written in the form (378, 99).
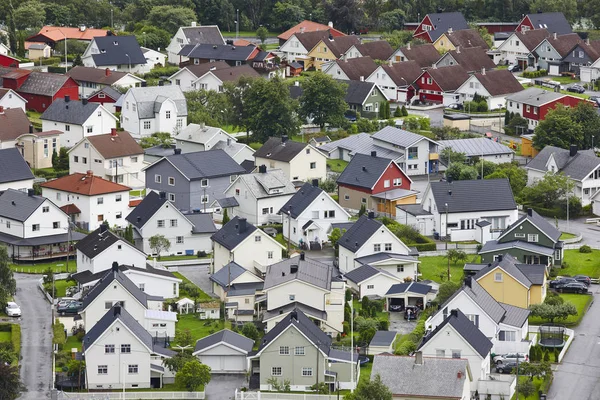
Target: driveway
(590, 232)
(199, 275)
(222, 387)
(578, 376)
(36, 338)
(400, 325)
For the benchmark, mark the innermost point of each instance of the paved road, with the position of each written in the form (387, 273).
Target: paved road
(222, 387)
(590, 232)
(36, 338)
(578, 377)
(199, 275)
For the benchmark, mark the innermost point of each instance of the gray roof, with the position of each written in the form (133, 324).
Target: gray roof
(363, 171)
(229, 236)
(208, 34)
(260, 184)
(515, 316)
(342, 225)
(384, 256)
(203, 222)
(13, 166)
(359, 233)
(301, 268)
(225, 336)
(18, 205)
(444, 21)
(198, 134)
(146, 209)
(495, 246)
(98, 241)
(475, 147)
(289, 307)
(71, 112)
(539, 221)
(361, 143)
(40, 240)
(409, 287)
(527, 274)
(534, 96)
(159, 151)
(150, 97)
(108, 91)
(362, 273)
(554, 22)
(205, 164)
(383, 338)
(86, 277)
(534, 272)
(228, 202)
(481, 297)
(577, 167)
(435, 378)
(43, 83)
(229, 272)
(275, 149)
(217, 52)
(473, 195)
(231, 148)
(466, 329)
(302, 199)
(414, 209)
(244, 289)
(118, 50)
(399, 137)
(357, 91)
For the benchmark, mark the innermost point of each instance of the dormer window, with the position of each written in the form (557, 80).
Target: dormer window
(116, 43)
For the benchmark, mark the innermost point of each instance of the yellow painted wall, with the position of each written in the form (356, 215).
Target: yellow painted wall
(509, 291)
(320, 51)
(527, 149)
(537, 294)
(390, 206)
(443, 44)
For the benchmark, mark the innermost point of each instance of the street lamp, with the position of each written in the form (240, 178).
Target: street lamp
(352, 366)
(66, 68)
(237, 22)
(129, 58)
(144, 33)
(592, 142)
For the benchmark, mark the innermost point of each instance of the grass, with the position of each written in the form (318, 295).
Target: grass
(232, 128)
(365, 372)
(137, 193)
(581, 302)
(57, 267)
(5, 336)
(581, 95)
(565, 235)
(581, 263)
(381, 315)
(281, 240)
(271, 46)
(60, 287)
(34, 118)
(71, 343)
(183, 293)
(565, 80)
(199, 328)
(540, 386)
(436, 267)
(336, 165)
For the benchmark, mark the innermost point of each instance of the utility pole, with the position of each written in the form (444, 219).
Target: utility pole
(289, 230)
(447, 242)
(237, 22)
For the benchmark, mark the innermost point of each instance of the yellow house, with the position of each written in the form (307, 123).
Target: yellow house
(327, 50)
(509, 282)
(527, 149)
(464, 38)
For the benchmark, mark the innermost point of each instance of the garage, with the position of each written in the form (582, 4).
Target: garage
(224, 352)
(401, 295)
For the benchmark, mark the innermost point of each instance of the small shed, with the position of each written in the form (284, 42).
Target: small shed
(209, 310)
(409, 294)
(382, 342)
(185, 305)
(224, 352)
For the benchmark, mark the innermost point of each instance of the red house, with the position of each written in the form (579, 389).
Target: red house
(8, 61)
(377, 183)
(434, 25)
(40, 89)
(105, 96)
(554, 22)
(436, 83)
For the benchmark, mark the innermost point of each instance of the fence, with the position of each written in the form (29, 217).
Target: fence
(131, 396)
(282, 396)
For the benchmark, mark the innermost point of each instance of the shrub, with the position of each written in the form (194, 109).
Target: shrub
(15, 337)
(384, 325)
(585, 249)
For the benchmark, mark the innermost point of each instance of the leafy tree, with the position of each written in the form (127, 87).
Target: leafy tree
(554, 299)
(322, 100)
(516, 125)
(55, 159)
(237, 94)
(449, 156)
(551, 313)
(170, 18)
(586, 116)
(527, 388)
(461, 172)
(392, 20)
(159, 243)
(262, 33)
(184, 337)
(384, 110)
(10, 382)
(21, 50)
(335, 235)
(250, 331)
(546, 191)
(225, 217)
(446, 290)
(29, 15)
(404, 111)
(177, 362)
(8, 285)
(362, 211)
(517, 177)
(456, 255)
(193, 376)
(397, 38)
(370, 390)
(77, 60)
(558, 129)
(398, 112)
(346, 15)
(447, 133)
(286, 15)
(157, 138)
(63, 160)
(7, 354)
(73, 47)
(128, 234)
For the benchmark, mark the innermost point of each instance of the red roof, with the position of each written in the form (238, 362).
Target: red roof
(309, 26)
(58, 33)
(87, 185)
(71, 209)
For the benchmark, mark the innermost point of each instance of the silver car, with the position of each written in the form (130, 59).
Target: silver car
(12, 309)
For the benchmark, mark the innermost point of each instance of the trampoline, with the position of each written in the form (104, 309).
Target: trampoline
(552, 335)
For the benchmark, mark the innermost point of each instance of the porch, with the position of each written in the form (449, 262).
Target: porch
(52, 247)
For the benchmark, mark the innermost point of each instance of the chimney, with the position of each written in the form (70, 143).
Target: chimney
(193, 24)
(371, 215)
(301, 29)
(284, 138)
(449, 192)
(454, 312)
(418, 358)
(459, 375)
(242, 225)
(293, 269)
(113, 132)
(30, 192)
(102, 228)
(554, 35)
(115, 266)
(373, 154)
(330, 24)
(262, 169)
(433, 66)
(302, 256)
(499, 258)
(228, 141)
(89, 173)
(315, 182)
(177, 151)
(1, 110)
(67, 98)
(107, 72)
(468, 281)
(408, 46)
(82, 28)
(364, 168)
(573, 150)
(202, 125)
(139, 219)
(482, 71)
(450, 30)
(294, 315)
(362, 78)
(530, 212)
(162, 195)
(457, 49)
(117, 310)
(30, 128)
(84, 102)
(587, 41)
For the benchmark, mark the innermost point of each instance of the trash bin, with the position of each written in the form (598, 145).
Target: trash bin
(436, 235)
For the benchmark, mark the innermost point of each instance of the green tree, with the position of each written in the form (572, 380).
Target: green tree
(449, 156)
(10, 382)
(162, 139)
(398, 112)
(456, 255)
(159, 243)
(384, 110)
(63, 160)
(177, 362)
(21, 50)
(446, 290)
(8, 285)
(362, 211)
(335, 235)
(517, 177)
(397, 38)
(404, 111)
(250, 331)
(527, 388)
(346, 15)
(586, 116)
(262, 33)
(237, 94)
(73, 47)
(551, 313)
(546, 191)
(225, 217)
(184, 337)
(193, 376)
(322, 100)
(170, 18)
(392, 20)
(286, 15)
(558, 129)
(516, 125)
(368, 389)
(29, 15)
(461, 172)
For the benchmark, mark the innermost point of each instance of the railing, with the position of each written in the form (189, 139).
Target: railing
(282, 396)
(131, 395)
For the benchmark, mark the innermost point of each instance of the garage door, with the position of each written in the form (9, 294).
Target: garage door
(225, 363)
(214, 362)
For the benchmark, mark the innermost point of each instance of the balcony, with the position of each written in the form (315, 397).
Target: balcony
(434, 156)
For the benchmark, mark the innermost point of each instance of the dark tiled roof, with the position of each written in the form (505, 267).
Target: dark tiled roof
(552, 21)
(466, 38)
(274, 149)
(564, 43)
(339, 45)
(449, 78)
(205, 164)
(116, 313)
(409, 287)
(302, 199)
(145, 210)
(203, 222)
(43, 83)
(96, 75)
(118, 50)
(208, 34)
(217, 52)
(362, 273)
(498, 82)
(200, 69)
(535, 273)
(497, 247)
(383, 338)
(577, 167)
(109, 91)
(425, 54)
(69, 112)
(289, 307)
(358, 67)
(515, 316)
(509, 265)
(359, 233)
(377, 49)
(13, 123)
(472, 59)
(372, 258)
(229, 236)
(225, 336)
(403, 73)
(363, 171)
(473, 195)
(540, 222)
(17, 205)
(357, 91)
(444, 21)
(306, 270)
(399, 137)
(244, 289)
(97, 242)
(228, 273)
(13, 166)
(228, 202)
(481, 297)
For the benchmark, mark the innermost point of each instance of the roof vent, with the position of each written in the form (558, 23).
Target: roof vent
(449, 192)
(454, 312)
(282, 273)
(364, 168)
(13, 203)
(115, 266)
(215, 46)
(293, 269)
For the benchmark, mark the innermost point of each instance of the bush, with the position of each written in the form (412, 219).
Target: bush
(585, 249)
(535, 74)
(384, 325)
(424, 246)
(553, 272)
(160, 71)
(15, 337)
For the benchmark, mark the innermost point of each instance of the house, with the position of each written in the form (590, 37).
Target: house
(193, 181)
(463, 210)
(329, 49)
(518, 47)
(51, 35)
(215, 79)
(209, 310)
(494, 86)
(260, 195)
(433, 25)
(306, 27)
(531, 240)
(376, 183)
(118, 332)
(89, 200)
(554, 22)
(90, 80)
(299, 44)
(208, 53)
(581, 59)
(8, 61)
(458, 338)
(116, 156)
(439, 85)
(471, 59)
(107, 97)
(581, 166)
(39, 89)
(416, 294)
(146, 110)
(428, 378)
(154, 59)
(16, 174)
(37, 147)
(425, 54)
(319, 141)
(298, 161)
(33, 228)
(464, 39)
(309, 215)
(371, 281)
(35, 51)
(186, 76)
(552, 50)
(194, 34)
(297, 344)
(376, 50)
(402, 266)
(13, 123)
(232, 276)
(479, 148)
(77, 120)
(510, 282)
(367, 237)
(117, 53)
(224, 352)
(4, 49)
(351, 69)
(395, 80)
(11, 99)
(382, 342)
(533, 104)
(187, 233)
(596, 203)
(365, 98)
(505, 325)
(245, 244)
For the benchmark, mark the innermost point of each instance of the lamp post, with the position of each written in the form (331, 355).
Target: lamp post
(129, 58)
(237, 22)
(144, 33)
(66, 68)
(592, 142)
(351, 347)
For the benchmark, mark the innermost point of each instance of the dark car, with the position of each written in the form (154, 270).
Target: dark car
(595, 99)
(395, 307)
(572, 287)
(507, 367)
(576, 89)
(561, 281)
(411, 312)
(71, 308)
(514, 68)
(583, 279)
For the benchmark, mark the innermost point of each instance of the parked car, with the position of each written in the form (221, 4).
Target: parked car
(395, 307)
(64, 301)
(583, 279)
(514, 68)
(510, 357)
(561, 281)
(411, 312)
(576, 89)
(12, 309)
(595, 99)
(572, 287)
(507, 367)
(456, 106)
(71, 308)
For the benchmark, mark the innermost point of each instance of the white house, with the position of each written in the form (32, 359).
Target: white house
(493, 85)
(11, 99)
(231, 275)
(4, 49)
(194, 34)
(596, 203)
(153, 59)
(187, 233)
(224, 352)
(366, 237)
(480, 148)
(309, 214)
(298, 161)
(89, 200)
(117, 53)
(370, 281)
(518, 47)
(260, 195)
(16, 173)
(146, 110)
(395, 79)
(115, 156)
(91, 80)
(297, 47)
(214, 79)
(77, 119)
(186, 76)
(245, 244)
(402, 266)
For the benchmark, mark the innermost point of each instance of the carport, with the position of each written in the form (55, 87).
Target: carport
(409, 294)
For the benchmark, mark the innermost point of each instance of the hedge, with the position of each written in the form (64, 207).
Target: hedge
(535, 74)
(15, 337)
(546, 212)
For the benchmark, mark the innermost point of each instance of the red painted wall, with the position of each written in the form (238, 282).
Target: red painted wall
(569, 101)
(422, 84)
(524, 22)
(392, 172)
(36, 102)
(8, 61)
(422, 33)
(96, 99)
(493, 28)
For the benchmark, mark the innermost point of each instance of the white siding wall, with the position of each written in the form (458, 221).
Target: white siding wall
(46, 221)
(186, 80)
(300, 291)
(381, 284)
(251, 253)
(293, 50)
(100, 122)
(126, 255)
(300, 166)
(208, 81)
(113, 293)
(12, 100)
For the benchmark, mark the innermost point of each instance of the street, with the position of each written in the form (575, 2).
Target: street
(36, 338)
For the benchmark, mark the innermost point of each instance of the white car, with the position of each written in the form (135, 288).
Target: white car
(13, 309)
(510, 357)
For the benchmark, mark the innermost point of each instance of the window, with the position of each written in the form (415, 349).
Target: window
(519, 236)
(178, 82)
(171, 181)
(107, 305)
(56, 225)
(507, 336)
(413, 153)
(257, 238)
(269, 255)
(8, 224)
(133, 368)
(119, 247)
(204, 182)
(276, 371)
(35, 227)
(102, 369)
(528, 108)
(100, 200)
(45, 209)
(89, 129)
(204, 199)
(67, 128)
(445, 312)
(75, 158)
(157, 179)
(84, 160)
(455, 353)
(532, 237)
(179, 239)
(134, 159)
(173, 223)
(147, 125)
(247, 301)
(386, 183)
(400, 268)
(474, 318)
(346, 197)
(363, 200)
(265, 211)
(125, 348)
(397, 181)
(466, 224)
(330, 214)
(388, 247)
(168, 114)
(370, 286)
(498, 277)
(171, 197)
(313, 165)
(142, 287)
(109, 349)
(160, 223)
(299, 351)
(557, 254)
(284, 350)
(237, 192)
(440, 353)
(100, 217)
(118, 197)
(174, 289)
(306, 371)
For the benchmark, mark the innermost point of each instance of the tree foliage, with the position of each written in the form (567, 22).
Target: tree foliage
(162, 139)
(547, 191)
(170, 18)
(8, 285)
(10, 382)
(159, 243)
(370, 390)
(456, 255)
(322, 100)
(563, 127)
(553, 312)
(193, 376)
(446, 290)
(177, 362)
(262, 33)
(250, 331)
(30, 15)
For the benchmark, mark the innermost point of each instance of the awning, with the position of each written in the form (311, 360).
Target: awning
(41, 240)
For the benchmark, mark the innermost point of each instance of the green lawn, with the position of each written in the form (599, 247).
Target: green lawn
(581, 302)
(71, 343)
(581, 263)
(4, 336)
(336, 165)
(60, 287)
(540, 385)
(137, 193)
(199, 328)
(381, 315)
(365, 372)
(57, 267)
(271, 46)
(565, 80)
(183, 293)
(435, 268)
(565, 235)
(34, 118)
